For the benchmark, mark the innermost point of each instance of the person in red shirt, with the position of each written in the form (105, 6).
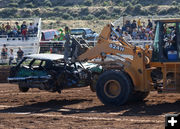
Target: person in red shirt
(24, 30)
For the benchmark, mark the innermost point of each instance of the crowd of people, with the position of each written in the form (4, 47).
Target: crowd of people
(131, 30)
(18, 30)
(5, 54)
(136, 30)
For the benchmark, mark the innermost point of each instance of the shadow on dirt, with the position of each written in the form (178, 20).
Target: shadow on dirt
(43, 107)
(131, 109)
(140, 109)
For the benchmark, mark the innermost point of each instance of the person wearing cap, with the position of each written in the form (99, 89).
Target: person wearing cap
(61, 35)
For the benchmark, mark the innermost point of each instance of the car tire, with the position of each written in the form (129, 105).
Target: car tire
(23, 87)
(113, 88)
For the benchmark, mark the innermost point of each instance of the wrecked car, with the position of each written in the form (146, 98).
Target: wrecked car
(50, 72)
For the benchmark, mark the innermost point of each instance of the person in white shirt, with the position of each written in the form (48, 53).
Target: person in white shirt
(11, 56)
(127, 37)
(31, 28)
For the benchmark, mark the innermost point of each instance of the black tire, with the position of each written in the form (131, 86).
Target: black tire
(106, 87)
(23, 87)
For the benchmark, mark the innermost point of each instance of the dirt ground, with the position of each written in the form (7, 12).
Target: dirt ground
(80, 108)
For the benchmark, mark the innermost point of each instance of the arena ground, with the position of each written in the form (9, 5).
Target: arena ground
(80, 108)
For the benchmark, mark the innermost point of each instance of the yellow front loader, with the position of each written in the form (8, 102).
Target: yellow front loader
(131, 72)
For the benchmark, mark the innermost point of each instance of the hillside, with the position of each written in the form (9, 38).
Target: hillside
(53, 3)
(86, 9)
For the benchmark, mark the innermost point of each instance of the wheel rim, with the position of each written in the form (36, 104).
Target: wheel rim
(112, 88)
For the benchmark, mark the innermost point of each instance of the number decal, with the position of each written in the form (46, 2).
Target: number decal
(116, 47)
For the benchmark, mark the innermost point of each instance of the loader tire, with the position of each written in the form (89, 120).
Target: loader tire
(113, 88)
(23, 87)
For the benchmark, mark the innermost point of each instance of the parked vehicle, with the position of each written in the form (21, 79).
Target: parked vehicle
(86, 33)
(47, 43)
(47, 35)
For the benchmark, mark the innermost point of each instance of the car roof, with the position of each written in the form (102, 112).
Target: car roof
(46, 56)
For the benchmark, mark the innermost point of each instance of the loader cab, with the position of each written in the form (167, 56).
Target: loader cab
(166, 56)
(166, 46)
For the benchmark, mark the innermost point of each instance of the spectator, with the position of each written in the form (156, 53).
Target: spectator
(150, 24)
(15, 32)
(36, 28)
(2, 29)
(127, 37)
(11, 56)
(134, 34)
(143, 24)
(147, 30)
(20, 54)
(151, 34)
(24, 30)
(18, 28)
(61, 35)
(128, 29)
(4, 52)
(128, 25)
(30, 28)
(143, 34)
(56, 38)
(139, 22)
(123, 28)
(133, 25)
(8, 28)
(140, 31)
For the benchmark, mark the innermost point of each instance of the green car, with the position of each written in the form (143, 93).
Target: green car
(50, 72)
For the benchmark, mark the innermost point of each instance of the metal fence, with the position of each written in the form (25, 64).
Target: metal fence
(58, 46)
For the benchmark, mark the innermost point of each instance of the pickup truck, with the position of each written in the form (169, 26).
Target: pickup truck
(85, 33)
